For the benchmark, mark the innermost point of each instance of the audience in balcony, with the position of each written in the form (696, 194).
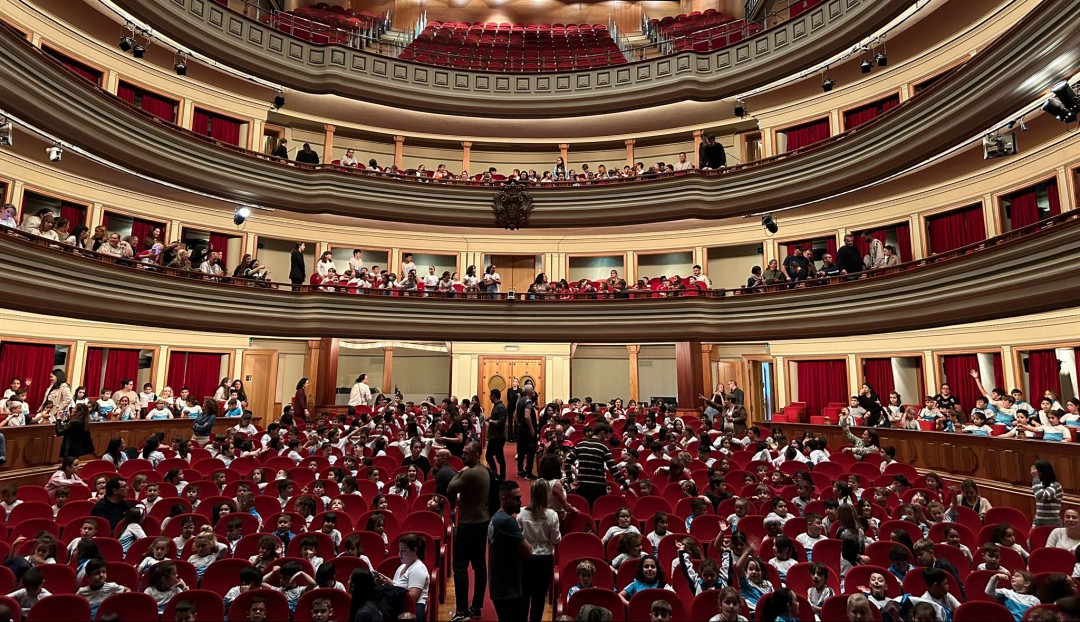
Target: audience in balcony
(711, 154)
(307, 155)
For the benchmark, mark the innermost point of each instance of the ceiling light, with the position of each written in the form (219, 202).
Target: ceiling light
(828, 84)
(881, 59)
(866, 66)
(769, 223)
(241, 215)
(1067, 96)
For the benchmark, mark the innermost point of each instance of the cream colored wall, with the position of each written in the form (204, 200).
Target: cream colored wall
(352, 363)
(595, 268)
(906, 379)
(729, 266)
(465, 374)
(601, 372)
(657, 372)
(665, 264)
(418, 375)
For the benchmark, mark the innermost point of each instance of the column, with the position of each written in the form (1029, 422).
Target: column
(388, 371)
(19, 187)
(1064, 190)
(161, 362)
(393, 263)
(171, 234)
(185, 113)
(328, 143)
(931, 375)
(991, 216)
(699, 137)
(564, 150)
(854, 373)
(707, 381)
(97, 215)
(398, 142)
(699, 259)
(77, 366)
(110, 81)
(631, 268)
(688, 376)
(255, 135)
(782, 397)
(630, 151)
(326, 354)
(632, 352)
(466, 154)
(919, 243)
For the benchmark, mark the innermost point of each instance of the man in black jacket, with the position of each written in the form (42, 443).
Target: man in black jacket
(297, 265)
(496, 435)
(711, 154)
(307, 155)
(848, 257)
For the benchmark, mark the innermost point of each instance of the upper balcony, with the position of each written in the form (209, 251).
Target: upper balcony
(259, 49)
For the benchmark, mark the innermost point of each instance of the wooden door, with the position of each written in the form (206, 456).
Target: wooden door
(761, 389)
(725, 370)
(496, 372)
(259, 371)
(517, 271)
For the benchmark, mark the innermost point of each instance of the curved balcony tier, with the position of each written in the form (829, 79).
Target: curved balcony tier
(984, 281)
(246, 44)
(958, 107)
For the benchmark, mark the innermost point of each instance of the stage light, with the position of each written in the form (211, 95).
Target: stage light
(828, 84)
(1067, 96)
(1058, 111)
(138, 51)
(179, 66)
(769, 223)
(866, 66)
(279, 101)
(241, 215)
(55, 153)
(126, 43)
(881, 59)
(740, 108)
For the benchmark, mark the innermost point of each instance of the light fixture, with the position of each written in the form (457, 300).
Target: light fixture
(1023, 126)
(279, 101)
(241, 215)
(179, 66)
(6, 131)
(55, 152)
(881, 59)
(126, 43)
(828, 84)
(866, 66)
(139, 50)
(1058, 111)
(769, 223)
(1067, 96)
(740, 108)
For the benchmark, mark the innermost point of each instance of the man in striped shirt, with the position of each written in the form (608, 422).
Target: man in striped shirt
(593, 455)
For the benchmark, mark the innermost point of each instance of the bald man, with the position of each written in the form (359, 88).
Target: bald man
(443, 472)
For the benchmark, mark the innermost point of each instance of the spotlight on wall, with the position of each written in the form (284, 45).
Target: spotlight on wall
(126, 43)
(6, 131)
(279, 101)
(740, 108)
(769, 223)
(179, 66)
(827, 84)
(881, 59)
(241, 215)
(139, 50)
(1065, 103)
(55, 152)
(866, 66)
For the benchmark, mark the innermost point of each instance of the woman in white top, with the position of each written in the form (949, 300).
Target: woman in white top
(7, 216)
(412, 574)
(540, 526)
(325, 264)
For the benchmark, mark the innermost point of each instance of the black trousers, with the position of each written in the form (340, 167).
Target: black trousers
(470, 547)
(496, 455)
(592, 492)
(526, 454)
(536, 579)
(510, 609)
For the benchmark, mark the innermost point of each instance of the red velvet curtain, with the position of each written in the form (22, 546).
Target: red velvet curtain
(225, 129)
(808, 134)
(203, 374)
(999, 372)
(28, 360)
(821, 382)
(121, 365)
(160, 107)
(126, 92)
(75, 213)
(890, 103)
(830, 246)
(1024, 208)
(95, 365)
(855, 118)
(878, 373)
(200, 123)
(955, 229)
(798, 245)
(958, 375)
(83, 71)
(903, 240)
(1043, 374)
(1052, 196)
(175, 376)
(220, 243)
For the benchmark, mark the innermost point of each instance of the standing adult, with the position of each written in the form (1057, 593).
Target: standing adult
(297, 266)
(114, 505)
(360, 394)
(875, 256)
(593, 457)
(203, 425)
(444, 473)
(540, 525)
(848, 257)
(737, 396)
(526, 429)
(127, 389)
(454, 440)
(58, 394)
(77, 441)
(471, 488)
(512, 396)
(507, 550)
(299, 402)
(711, 154)
(496, 434)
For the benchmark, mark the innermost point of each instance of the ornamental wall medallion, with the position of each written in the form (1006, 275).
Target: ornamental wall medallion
(512, 206)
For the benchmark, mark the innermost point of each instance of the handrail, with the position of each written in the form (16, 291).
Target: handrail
(1007, 238)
